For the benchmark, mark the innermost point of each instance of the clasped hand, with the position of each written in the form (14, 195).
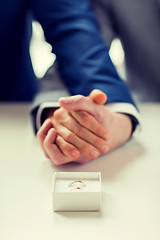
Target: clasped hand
(81, 129)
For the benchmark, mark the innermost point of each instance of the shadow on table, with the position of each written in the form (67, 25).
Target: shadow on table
(111, 164)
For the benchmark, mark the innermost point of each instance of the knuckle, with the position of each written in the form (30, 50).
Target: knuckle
(69, 137)
(56, 161)
(38, 134)
(67, 121)
(58, 139)
(86, 120)
(79, 131)
(46, 143)
(97, 142)
(80, 99)
(85, 148)
(58, 114)
(90, 151)
(102, 132)
(65, 147)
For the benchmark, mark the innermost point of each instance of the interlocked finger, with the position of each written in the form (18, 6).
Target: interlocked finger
(83, 133)
(89, 122)
(85, 148)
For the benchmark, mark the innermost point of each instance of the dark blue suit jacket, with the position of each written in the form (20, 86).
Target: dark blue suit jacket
(71, 28)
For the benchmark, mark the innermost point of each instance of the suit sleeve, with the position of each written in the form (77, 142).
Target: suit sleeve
(84, 64)
(105, 18)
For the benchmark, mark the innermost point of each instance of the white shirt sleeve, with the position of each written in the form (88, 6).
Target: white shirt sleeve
(125, 108)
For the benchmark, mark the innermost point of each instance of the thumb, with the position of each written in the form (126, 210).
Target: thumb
(79, 102)
(98, 96)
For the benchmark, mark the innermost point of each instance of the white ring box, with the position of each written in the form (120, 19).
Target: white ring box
(77, 191)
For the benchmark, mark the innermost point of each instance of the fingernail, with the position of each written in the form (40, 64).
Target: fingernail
(105, 149)
(94, 153)
(74, 153)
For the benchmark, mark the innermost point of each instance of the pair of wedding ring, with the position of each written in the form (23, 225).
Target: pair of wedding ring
(77, 185)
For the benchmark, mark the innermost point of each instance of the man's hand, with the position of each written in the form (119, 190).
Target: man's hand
(119, 125)
(77, 134)
(59, 150)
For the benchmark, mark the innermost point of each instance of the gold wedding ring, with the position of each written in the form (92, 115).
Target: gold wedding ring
(75, 189)
(77, 184)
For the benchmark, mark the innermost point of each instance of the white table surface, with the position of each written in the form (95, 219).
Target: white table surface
(130, 183)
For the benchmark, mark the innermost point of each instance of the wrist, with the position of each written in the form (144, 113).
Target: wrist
(125, 123)
(121, 130)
